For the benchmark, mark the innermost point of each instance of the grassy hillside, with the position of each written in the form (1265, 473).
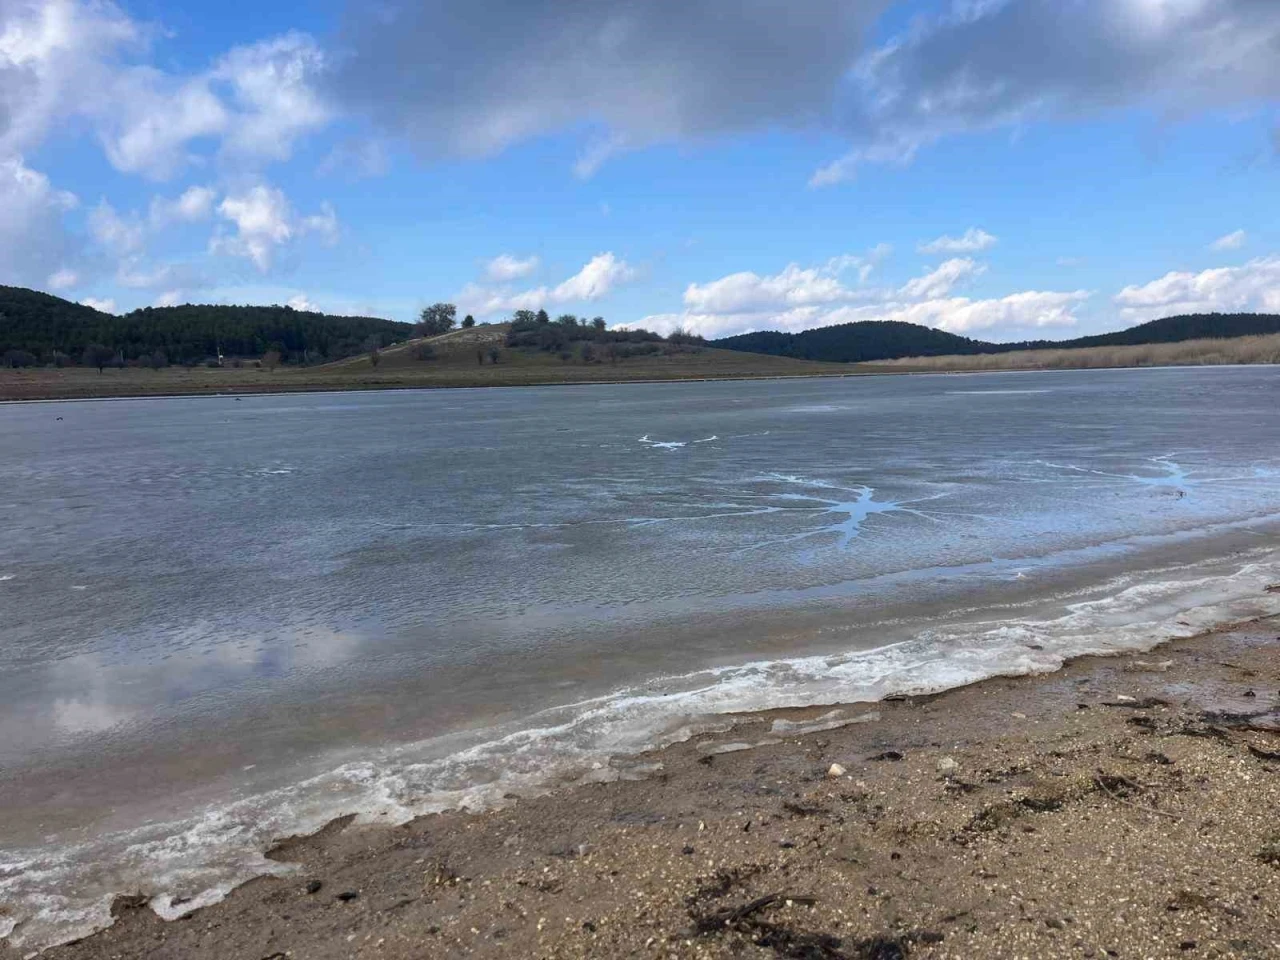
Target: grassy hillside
(452, 361)
(872, 340)
(50, 329)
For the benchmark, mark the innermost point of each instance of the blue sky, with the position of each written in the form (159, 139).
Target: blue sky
(999, 168)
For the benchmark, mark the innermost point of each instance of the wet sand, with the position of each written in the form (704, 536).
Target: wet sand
(1121, 807)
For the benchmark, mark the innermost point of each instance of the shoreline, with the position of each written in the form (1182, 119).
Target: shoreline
(966, 823)
(857, 370)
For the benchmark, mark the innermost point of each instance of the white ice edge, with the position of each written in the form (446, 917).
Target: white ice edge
(61, 893)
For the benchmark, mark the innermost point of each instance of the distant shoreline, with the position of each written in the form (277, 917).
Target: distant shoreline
(49, 386)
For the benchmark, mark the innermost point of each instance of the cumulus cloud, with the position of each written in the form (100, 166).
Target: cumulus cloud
(119, 235)
(637, 73)
(1253, 286)
(972, 240)
(940, 281)
(303, 303)
(170, 298)
(70, 61)
(106, 305)
(1015, 313)
(743, 292)
(985, 65)
(800, 298)
(504, 268)
(264, 221)
(34, 241)
(597, 279)
(192, 205)
(1231, 241)
(274, 96)
(1030, 309)
(63, 279)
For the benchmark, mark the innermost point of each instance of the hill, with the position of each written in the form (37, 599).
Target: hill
(875, 340)
(48, 327)
(860, 342)
(461, 358)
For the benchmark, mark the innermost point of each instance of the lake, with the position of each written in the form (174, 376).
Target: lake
(226, 620)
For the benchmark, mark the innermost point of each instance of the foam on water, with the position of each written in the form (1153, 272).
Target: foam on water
(57, 893)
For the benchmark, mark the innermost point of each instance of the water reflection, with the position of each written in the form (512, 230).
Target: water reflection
(94, 693)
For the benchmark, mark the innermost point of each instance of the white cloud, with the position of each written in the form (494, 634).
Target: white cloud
(1017, 311)
(745, 292)
(63, 279)
(505, 267)
(192, 205)
(64, 62)
(940, 281)
(170, 298)
(1253, 286)
(323, 224)
(34, 241)
(106, 306)
(300, 302)
(800, 298)
(119, 235)
(1232, 241)
(973, 240)
(264, 221)
(597, 279)
(150, 128)
(274, 95)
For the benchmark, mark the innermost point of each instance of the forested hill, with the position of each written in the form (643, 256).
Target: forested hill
(871, 340)
(856, 342)
(1192, 326)
(47, 327)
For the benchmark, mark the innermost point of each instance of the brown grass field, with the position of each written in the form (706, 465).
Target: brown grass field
(455, 365)
(1262, 349)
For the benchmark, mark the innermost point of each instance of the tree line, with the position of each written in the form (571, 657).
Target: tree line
(37, 328)
(871, 340)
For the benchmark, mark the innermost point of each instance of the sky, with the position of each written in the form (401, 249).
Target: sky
(1001, 169)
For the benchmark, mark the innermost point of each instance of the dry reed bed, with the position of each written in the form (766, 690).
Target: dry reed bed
(1260, 349)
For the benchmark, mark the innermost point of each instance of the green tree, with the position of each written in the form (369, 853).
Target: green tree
(96, 355)
(543, 317)
(158, 360)
(597, 324)
(468, 322)
(437, 319)
(523, 318)
(494, 353)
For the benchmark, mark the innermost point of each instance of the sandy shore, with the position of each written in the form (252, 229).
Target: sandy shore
(1122, 807)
